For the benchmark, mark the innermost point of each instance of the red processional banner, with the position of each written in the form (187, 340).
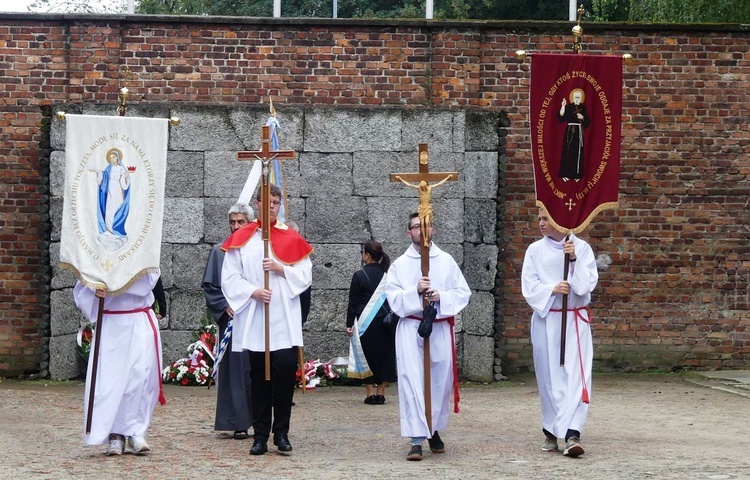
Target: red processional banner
(576, 105)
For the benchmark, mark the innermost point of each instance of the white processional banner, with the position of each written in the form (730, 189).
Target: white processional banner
(113, 203)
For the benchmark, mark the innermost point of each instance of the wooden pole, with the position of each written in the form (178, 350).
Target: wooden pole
(422, 179)
(424, 253)
(564, 319)
(95, 365)
(265, 219)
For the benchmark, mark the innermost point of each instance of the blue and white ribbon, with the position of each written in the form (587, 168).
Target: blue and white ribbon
(222, 348)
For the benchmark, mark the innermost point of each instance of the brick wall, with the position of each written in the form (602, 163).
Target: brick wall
(673, 288)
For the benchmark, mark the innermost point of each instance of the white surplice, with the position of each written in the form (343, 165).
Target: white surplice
(560, 388)
(241, 275)
(401, 291)
(128, 376)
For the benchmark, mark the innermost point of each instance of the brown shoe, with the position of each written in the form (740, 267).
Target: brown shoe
(573, 447)
(415, 454)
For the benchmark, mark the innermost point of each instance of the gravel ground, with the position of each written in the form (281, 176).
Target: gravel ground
(639, 426)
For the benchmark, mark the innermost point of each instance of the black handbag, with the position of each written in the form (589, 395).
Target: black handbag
(390, 322)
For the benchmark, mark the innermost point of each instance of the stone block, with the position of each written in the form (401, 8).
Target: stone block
(372, 170)
(204, 129)
(57, 173)
(248, 123)
(326, 174)
(63, 359)
(216, 219)
(184, 176)
(478, 316)
(334, 265)
(340, 130)
(296, 211)
(455, 250)
(225, 175)
(434, 127)
(327, 311)
(480, 220)
(189, 264)
(388, 218)
(448, 220)
(481, 131)
(479, 174)
(326, 345)
(336, 220)
(174, 344)
(187, 310)
(56, 217)
(61, 277)
(165, 264)
(65, 317)
(459, 131)
(183, 220)
(58, 128)
(480, 266)
(477, 359)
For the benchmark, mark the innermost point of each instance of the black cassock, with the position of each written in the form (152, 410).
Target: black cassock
(233, 401)
(378, 342)
(572, 159)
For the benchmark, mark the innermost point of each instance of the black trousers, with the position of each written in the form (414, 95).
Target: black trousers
(273, 398)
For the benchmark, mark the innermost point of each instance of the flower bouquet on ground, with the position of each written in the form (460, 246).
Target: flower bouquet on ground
(318, 373)
(195, 369)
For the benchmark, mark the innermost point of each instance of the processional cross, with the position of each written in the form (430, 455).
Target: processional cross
(422, 185)
(266, 155)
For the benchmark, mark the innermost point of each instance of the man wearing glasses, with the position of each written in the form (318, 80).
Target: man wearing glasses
(447, 291)
(242, 282)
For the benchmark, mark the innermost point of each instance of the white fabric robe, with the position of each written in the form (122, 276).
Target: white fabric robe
(401, 290)
(241, 275)
(560, 388)
(129, 369)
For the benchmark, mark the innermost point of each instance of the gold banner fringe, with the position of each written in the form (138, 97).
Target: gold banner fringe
(582, 226)
(96, 285)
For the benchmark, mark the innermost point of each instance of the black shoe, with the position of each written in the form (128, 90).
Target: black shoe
(379, 399)
(436, 444)
(371, 400)
(415, 454)
(281, 441)
(260, 447)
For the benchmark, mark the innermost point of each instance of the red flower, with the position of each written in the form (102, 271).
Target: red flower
(185, 381)
(86, 335)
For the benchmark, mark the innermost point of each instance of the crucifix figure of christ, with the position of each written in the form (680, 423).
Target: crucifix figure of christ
(265, 155)
(421, 183)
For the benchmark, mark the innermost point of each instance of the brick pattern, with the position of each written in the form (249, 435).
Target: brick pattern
(676, 291)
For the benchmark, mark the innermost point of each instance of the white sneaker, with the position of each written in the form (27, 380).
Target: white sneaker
(138, 444)
(116, 447)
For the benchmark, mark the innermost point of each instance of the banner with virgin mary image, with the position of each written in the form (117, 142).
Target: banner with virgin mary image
(575, 111)
(113, 201)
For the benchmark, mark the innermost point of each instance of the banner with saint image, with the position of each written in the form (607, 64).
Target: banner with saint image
(575, 111)
(113, 202)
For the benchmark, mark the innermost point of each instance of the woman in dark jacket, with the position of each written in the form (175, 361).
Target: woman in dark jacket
(378, 341)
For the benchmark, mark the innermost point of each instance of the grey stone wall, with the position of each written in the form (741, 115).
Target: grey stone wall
(340, 195)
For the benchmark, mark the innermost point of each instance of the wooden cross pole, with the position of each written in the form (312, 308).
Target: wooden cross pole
(266, 155)
(422, 185)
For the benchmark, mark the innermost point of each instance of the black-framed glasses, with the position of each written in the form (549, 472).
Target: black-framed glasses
(414, 226)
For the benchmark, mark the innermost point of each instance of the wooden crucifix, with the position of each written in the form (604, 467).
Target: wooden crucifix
(265, 156)
(422, 185)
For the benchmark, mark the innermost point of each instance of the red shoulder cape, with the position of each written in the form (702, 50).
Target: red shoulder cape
(286, 244)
